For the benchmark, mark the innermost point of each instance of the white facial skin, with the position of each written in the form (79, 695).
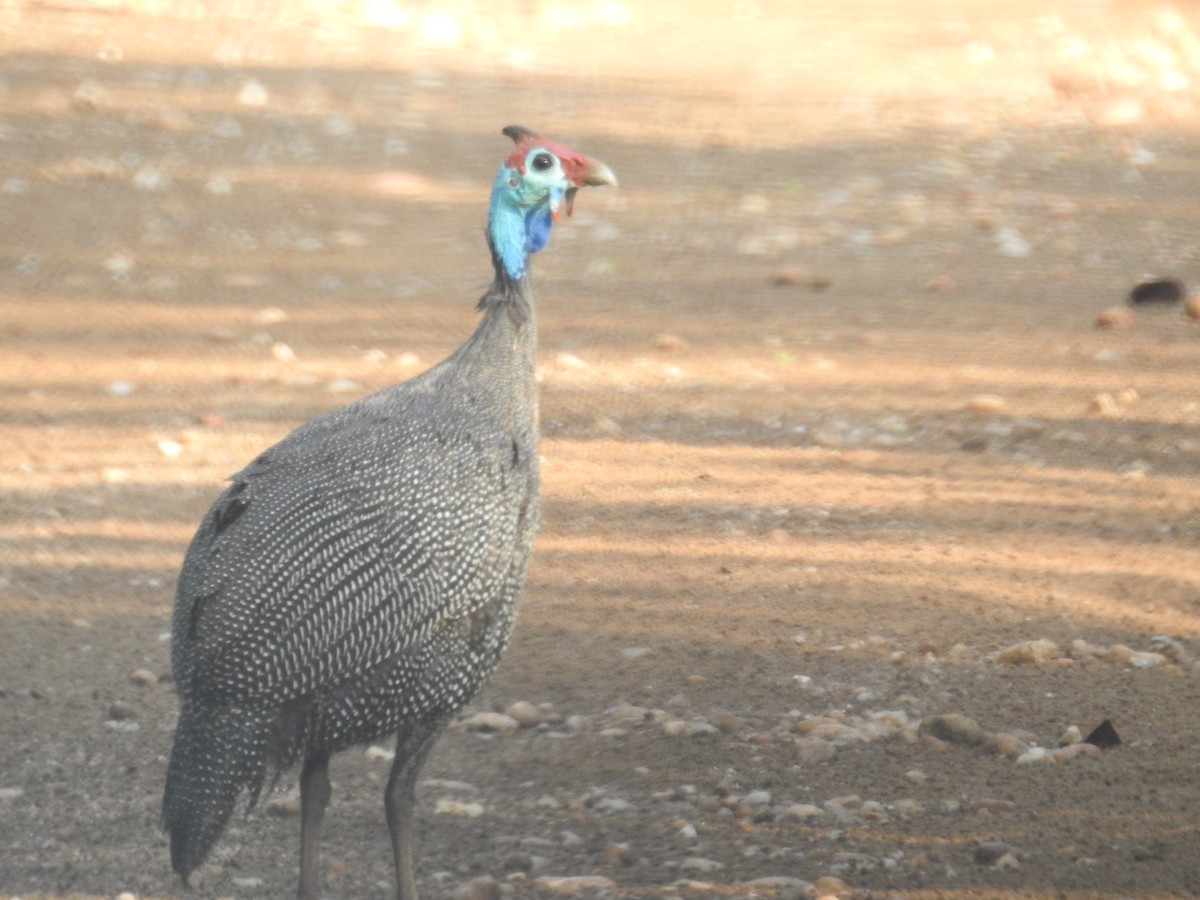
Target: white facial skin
(544, 181)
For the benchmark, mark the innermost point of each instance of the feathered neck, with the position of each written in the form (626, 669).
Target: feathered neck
(513, 293)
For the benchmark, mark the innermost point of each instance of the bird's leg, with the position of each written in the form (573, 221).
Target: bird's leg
(400, 798)
(314, 797)
(398, 804)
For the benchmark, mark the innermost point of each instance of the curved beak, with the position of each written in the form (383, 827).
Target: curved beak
(594, 173)
(588, 172)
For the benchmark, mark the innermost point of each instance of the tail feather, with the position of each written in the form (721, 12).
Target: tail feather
(216, 755)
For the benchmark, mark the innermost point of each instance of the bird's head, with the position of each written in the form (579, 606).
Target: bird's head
(538, 178)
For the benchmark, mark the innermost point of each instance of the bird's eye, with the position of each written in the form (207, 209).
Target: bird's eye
(543, 162)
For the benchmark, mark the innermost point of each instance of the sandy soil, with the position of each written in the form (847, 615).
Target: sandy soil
(828, 426)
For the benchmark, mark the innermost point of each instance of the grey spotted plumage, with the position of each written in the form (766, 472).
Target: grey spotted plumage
(358, 579)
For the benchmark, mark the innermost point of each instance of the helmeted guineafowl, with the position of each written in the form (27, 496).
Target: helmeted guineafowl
(359, 577)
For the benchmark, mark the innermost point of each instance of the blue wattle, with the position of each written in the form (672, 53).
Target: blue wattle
(537, 228)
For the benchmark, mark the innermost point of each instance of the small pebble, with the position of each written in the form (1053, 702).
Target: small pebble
(143, 678)
(936, 744)
(701, 865)
(1192, 306)
(571, 361)
(281, 352)
(996, 805)
(268, 315)
(1170, 648)
(90, 96)
(253, 94)
(1010, 243)
(680, 728)
(841, 815)
(792, 275)
(813, 750)
(148, 178)
(458, 808)
(1036, 652)
(802, 812)
(120, 711)
(1156, 291)
(525, 713)
(1034, 755)
(832, 886)
(872, 810)
(485, 887)
(1006, 744)
(1117, 318)
(283, 807)
(120, 264)
(1081, 649)
(1068, 753)
(985, 403)
(491, 722)
(628, 714)
(613, 805)
(990, 852)
(575, 884)
(517, 862)
(758, 798)
(776, 885)
(725, 721)
(1139, 659)
(953, 729)
(1104, 406)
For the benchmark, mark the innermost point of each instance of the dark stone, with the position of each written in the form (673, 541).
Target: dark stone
(1159, 291)
(1104, 736)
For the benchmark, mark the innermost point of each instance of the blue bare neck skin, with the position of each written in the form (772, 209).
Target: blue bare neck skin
(519, 222)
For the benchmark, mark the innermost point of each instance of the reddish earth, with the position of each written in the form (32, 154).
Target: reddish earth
(845, 493)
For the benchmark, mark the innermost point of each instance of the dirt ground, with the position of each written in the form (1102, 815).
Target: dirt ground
(828, 427)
